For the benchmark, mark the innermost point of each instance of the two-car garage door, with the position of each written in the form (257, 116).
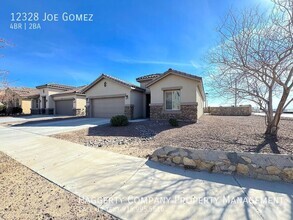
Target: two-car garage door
(107, 107)
(64, 107)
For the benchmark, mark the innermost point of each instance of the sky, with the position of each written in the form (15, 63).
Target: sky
(127, 39)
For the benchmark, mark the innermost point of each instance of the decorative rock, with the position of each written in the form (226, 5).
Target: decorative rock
(242, 169)
(176, 160)
(206, 166)
(189, 162)
(174, 153)
(227, 161)
(247, 159)
(168, 149)
(273, 170)
(253, 165)
(289, 172)
(183, 153)
(155, 158)
(232, 168)
(223, 157)
(260, 170)
(168, 161)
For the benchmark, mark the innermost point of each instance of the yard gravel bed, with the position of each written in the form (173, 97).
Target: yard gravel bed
(229, 133)
(27, 195)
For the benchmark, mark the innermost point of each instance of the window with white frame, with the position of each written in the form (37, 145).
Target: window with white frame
(172, 100)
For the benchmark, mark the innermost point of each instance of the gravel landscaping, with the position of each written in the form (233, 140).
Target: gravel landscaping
(27, 195)
(230, 133)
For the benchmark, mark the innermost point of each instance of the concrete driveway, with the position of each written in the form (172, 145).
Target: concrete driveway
(27, 118)
(55, 127)
(134, 188)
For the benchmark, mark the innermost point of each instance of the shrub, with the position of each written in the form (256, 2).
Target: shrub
(2, 110)
(173, 122)
(119, 120)
(16, 110)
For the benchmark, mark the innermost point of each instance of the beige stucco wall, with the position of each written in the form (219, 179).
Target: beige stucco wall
(80, 102)
(136, 99)
(48, 92)
(25, 105)
(112, 89)
(200, 102)
(188, 90)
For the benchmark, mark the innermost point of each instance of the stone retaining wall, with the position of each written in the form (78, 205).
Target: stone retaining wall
(271, 167)
(244, 110)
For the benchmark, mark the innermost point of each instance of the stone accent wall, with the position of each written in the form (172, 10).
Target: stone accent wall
(273, 167)
(244, 110)
(42, 111)
(186, 113)
(128, 111)
(35, 111)
(79, 112)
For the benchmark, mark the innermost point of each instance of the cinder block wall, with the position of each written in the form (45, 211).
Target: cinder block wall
(244, 110)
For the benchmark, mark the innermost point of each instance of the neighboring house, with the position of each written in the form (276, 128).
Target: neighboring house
(108, 96)
(59, 99)
(71, 102)
(172, 94)
(20, 97)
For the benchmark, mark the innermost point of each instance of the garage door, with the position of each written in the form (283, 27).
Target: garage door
(108, 107)
(64, 107)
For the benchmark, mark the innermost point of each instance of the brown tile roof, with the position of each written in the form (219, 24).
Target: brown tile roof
(150, 76)
(25, 92)
(132, 86)
(56, 86)
(76, 90)
(175, 72)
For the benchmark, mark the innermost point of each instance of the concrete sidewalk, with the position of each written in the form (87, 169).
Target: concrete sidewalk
(134, 188)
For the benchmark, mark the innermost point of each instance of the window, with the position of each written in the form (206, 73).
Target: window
(172, 100)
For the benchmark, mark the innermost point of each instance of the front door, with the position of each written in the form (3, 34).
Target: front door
(44, 102)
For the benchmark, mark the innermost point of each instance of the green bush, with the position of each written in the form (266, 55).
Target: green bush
(2, 110)
(16, 110)
(173, 122)
(119, 120)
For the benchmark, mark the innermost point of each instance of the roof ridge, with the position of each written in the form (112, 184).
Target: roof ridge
(177, 71)
(148, 76)
(122, 81)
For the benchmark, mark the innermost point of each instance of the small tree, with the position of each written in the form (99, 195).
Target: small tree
(254, 59)
(3, 75)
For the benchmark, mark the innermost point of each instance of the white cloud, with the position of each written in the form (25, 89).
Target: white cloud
(155, 62)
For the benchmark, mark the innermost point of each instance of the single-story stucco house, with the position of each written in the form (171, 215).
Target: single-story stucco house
(20, 97)
(172, 94)
(59, 99)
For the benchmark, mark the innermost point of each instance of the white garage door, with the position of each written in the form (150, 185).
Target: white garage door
(107, 107)
(64, 107)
